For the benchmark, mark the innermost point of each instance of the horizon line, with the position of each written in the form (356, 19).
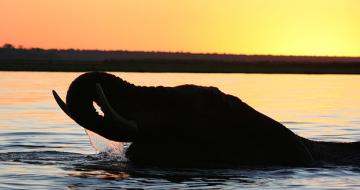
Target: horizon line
(19, 47)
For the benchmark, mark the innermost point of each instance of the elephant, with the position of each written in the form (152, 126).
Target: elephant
(191, 125)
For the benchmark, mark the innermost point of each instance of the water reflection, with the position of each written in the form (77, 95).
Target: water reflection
(41, 147)
(101, 174)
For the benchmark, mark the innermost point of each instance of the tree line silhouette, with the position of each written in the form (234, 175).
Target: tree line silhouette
(38, 59)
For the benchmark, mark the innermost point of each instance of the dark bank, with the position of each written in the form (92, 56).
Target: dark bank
(71, 60)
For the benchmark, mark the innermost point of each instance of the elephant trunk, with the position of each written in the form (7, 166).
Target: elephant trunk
(82, 94)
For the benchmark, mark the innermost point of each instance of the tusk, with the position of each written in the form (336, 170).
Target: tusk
(61, 103)
(109, 111)
(64, 107)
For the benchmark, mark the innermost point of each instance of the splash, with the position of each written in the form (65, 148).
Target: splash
(105, 146)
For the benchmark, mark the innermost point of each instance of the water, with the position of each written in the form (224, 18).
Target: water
(41, 148)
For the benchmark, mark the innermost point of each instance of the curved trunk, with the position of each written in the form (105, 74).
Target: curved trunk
(80, 97)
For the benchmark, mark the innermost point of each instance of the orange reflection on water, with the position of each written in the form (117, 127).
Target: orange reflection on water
(316, 106)
(107, 175)
(29, 87)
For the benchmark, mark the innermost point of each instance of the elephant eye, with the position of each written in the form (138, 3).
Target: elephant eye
(98, 109)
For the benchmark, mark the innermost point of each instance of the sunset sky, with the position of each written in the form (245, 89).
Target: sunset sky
(280, 27)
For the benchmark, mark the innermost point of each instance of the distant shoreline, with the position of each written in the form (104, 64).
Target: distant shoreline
(35, 59)
(176, 66)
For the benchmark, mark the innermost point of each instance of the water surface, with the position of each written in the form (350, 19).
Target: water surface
(41, 148)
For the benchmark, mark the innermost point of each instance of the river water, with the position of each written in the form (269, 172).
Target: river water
(41, 148)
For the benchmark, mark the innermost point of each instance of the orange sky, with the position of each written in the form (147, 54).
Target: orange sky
(286, 27)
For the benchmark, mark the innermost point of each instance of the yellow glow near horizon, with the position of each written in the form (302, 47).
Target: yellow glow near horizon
(280, 27)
